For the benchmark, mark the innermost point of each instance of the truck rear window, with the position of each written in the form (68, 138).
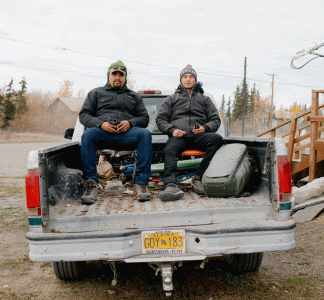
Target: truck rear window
(152, 105)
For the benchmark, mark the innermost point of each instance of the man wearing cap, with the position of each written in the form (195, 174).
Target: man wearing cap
(115, 116)
(191, 120)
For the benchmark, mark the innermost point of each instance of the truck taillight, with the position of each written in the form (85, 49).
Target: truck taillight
(149, 92)
(284, 174)
(32, 193)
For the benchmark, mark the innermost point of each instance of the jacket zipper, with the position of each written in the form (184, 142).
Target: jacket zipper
(190, 98)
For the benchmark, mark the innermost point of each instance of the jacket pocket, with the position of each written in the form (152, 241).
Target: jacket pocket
(105, 102)
(127, 103)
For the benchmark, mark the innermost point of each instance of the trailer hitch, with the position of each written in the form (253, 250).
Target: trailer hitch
(166, 269)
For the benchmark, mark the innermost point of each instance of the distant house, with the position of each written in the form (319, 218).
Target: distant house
(66, 107)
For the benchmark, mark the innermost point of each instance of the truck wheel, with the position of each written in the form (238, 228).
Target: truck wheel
(245, 262)
(67, 270)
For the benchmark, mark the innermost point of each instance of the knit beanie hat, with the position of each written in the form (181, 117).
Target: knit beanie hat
(120, 64)
(188, 69)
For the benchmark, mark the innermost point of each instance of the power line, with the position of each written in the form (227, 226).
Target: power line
(5, 38)
(282, 82)
(9, 64)
(257, 69)
(252, 79)
(137, 62)
(276, 53)
(101, 56)
(213, 74)
(99, 21)
(95, 55)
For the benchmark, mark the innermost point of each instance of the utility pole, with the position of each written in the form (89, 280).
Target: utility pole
(271, 106)
(244, 96)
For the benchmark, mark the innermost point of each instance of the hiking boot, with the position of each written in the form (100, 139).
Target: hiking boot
(90, 194)
(198, 188)
(142, 192)
(171, 192)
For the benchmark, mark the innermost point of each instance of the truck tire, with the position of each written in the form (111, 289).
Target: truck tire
(67, 270)
(245, 262)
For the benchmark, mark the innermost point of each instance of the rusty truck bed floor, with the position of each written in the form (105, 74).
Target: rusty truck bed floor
(126, 202)
(123, 211)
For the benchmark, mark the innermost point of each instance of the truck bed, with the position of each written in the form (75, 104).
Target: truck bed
(112, 228)
(123, 211)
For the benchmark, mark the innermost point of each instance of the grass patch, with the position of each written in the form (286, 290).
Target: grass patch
(22, 263)
(14, 218)
(8, 212)
(7, 191)
(10, 208)
(14, 177)
(45, 265)
(30, 137)
(11, 188)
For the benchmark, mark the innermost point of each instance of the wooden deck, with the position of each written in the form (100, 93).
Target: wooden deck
(305, 145)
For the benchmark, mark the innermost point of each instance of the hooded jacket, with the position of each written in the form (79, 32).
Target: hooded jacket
(183, 111)
(105, 103)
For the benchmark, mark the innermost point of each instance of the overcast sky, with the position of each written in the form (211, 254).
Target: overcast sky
(49, 41)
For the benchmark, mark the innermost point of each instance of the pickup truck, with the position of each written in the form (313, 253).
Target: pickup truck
(118, 228)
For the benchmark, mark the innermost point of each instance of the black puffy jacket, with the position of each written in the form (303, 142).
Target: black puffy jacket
(181, 111)
(105, 104)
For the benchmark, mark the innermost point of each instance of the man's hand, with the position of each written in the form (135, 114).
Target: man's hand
(106, 126)
(178, 133)
(199, 130)
(123, 126)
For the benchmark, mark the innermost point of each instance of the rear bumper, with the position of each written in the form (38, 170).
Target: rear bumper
(201, 242)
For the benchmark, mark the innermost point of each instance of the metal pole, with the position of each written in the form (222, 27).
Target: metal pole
(271, 107)
(244, 96)
(226, 126)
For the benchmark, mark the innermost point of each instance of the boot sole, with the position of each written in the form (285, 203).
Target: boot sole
(165, 196)
(200, 192)
(144, 198)
(88, 201)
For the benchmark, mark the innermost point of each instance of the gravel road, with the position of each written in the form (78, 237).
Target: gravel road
(14, 156)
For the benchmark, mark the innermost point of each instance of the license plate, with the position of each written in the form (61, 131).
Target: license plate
(163, 241)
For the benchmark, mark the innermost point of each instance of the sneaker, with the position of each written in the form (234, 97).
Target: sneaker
(90, 194)
(171, 192)
(142, 192)
(198, 188)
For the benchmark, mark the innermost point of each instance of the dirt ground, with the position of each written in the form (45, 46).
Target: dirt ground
(293, 274)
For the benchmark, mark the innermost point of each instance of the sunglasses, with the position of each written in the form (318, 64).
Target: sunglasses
(116, 67)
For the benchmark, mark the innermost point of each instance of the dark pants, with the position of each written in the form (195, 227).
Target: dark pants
(95, 138)
(208, 142)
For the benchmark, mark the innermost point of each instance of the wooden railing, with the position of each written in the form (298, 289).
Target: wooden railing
(296, 137)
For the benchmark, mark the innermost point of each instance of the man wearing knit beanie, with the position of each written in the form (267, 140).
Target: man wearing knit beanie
(115, 118)
(191, 120)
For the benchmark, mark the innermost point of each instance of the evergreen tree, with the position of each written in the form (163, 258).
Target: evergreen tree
(8, 106)
(244, 98)
(237, 104)
(12, 103)
(223, 104)
(228, 110)
(251, 101)
(21, 98)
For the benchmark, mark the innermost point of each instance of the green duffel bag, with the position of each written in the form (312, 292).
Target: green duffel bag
(228, 172)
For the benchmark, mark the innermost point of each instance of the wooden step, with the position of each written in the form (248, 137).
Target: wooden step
(301, 170)
(318, 144)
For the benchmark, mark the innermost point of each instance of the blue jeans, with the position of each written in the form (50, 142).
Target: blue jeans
(95, 138)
